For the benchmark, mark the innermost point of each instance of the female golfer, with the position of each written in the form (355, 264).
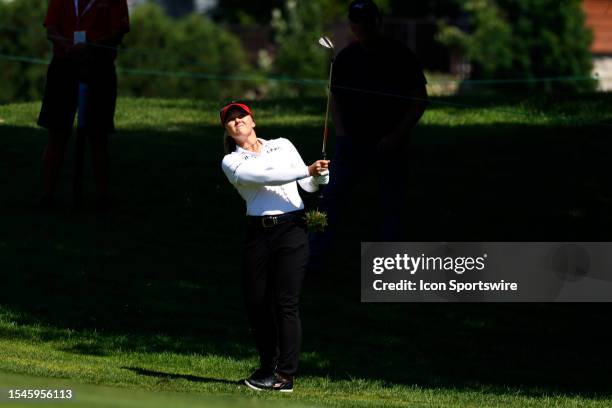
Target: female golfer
(265, 173)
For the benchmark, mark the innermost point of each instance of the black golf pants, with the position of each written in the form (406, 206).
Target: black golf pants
(274, 265)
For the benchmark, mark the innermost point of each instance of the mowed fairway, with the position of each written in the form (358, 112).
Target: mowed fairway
(142, 307)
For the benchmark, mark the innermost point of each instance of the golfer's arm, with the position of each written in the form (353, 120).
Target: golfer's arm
(308, 184)
(254, 172)
(415, 111)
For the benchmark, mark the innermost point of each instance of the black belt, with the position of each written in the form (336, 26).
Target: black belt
(269, 221)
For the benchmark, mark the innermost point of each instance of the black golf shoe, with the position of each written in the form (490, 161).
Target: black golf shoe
(283, 383)
(261, 378)
(269, 382)
(259, 382)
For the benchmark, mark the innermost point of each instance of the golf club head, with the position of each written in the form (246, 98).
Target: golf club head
(326, 42)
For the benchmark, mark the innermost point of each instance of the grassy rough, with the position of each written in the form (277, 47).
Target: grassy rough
(142, 307)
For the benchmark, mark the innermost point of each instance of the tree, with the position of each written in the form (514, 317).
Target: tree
(177, 8)
(299, 57)
(438, 8)
(192, 56)
(22, 35)
(246, 12)
(490, 58)
(553, 41)
(260, 12)
(526, 39)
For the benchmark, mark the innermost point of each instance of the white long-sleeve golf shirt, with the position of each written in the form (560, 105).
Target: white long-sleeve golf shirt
(267, 180)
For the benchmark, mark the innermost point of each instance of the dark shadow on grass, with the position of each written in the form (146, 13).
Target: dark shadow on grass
(87, 349)
(160, 273)
(193, 378)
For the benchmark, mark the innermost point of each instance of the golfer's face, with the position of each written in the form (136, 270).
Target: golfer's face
(239, 123)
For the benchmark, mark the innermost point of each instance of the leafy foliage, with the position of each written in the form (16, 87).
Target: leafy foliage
(403, 8)
(490, 58)
(22, 80)
(191, 49)
(250, 12)
(163, 56)
(525, 39)
(246, 12)
(298, 27)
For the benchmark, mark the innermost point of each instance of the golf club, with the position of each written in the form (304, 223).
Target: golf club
(326, 43)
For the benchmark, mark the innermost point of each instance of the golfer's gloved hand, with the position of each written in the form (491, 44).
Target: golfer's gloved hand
(323, 179)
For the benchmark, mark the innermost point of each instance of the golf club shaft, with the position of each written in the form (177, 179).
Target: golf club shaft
(326, 128)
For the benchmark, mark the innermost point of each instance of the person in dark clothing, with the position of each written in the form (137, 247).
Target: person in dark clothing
(81, 77)
(378, 95)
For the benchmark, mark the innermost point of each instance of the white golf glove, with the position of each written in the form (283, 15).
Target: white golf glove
(323, 179)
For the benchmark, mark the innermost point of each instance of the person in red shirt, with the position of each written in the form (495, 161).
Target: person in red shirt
(81, 76)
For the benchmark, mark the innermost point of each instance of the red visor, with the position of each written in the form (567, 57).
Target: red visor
(225, 110)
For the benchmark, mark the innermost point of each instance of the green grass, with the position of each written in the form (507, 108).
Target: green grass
(142, 307)
(105, 396)
(356, 394)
